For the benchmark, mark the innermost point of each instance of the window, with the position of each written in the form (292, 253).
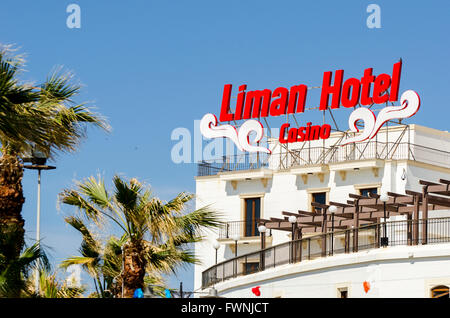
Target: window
(343, 292)
(252, 214)
(440, 292)
(251, 267)
(365, 192)
(318, 197)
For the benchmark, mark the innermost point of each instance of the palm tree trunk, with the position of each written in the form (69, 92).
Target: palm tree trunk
(133, 269)
(11, 201)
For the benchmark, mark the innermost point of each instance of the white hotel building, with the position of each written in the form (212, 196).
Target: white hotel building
(346, 248)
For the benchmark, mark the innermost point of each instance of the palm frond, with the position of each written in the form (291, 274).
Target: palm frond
(156, 235)
(59, 87)
(42, 116)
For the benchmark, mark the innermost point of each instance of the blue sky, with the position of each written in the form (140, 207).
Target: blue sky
(153, 66)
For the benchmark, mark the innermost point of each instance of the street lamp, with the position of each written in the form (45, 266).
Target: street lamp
(384, 240)
(332, 209)
(293, 220)
(216, 246)
(235, 238)
(38, 162)
(262, 230)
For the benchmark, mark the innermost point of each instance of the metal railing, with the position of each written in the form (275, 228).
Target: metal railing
(407, 232)
(247, 161)
(363, 151)
(325, 155)
(241, 228)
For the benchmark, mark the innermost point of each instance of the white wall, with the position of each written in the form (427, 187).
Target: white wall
(285, 191)
(393, 272)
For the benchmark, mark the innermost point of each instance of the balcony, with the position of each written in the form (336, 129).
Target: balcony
(233, 163)
(241, 228)
(339, 242)
(313, 156)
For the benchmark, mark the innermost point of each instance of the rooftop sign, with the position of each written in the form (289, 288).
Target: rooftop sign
(257, 104)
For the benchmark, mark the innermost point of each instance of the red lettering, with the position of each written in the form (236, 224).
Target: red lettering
(396, 73)
(292, 135)
(283, 128)
(308, 128)
(278, 106)
(380, 89)
(325, 131)
(366, 82)
(301, 134)
(315, 133)
(240, 102)
(353, 85)
(297, 96)
(224, 111)
(328, 89)
(253, 101)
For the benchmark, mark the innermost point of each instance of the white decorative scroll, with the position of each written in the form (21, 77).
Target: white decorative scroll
(244, 136)
(410, 104)
(210, 129)
(365, 115)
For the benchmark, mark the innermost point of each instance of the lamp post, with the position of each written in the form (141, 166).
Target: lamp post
(384, 240)
(262, 230)
(216, 246)
(38, 162)
(332, 209)
(293, 220)
(235, 238)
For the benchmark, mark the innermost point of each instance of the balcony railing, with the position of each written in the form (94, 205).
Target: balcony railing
(326, 155)
(365, 150)
(406, 232)
(241, 228)
(248, 161)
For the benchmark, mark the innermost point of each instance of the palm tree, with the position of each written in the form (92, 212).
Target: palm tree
(15, 269)
(91, 257)
(50, 287)
(157, 234)
(102, 261)
(40, 118)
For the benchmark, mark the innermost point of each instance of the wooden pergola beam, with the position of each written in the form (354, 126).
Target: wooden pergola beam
(443, 189)
(439, 200)
(277, 220)
(308, 213)
(339, 204)
(364, 210)
(374, 201)
(291, 214)
(427, 183)
(419, 194)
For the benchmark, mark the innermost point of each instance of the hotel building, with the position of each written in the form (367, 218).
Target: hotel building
(317, 219)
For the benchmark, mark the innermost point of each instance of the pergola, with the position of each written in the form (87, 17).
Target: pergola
(361, 211)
